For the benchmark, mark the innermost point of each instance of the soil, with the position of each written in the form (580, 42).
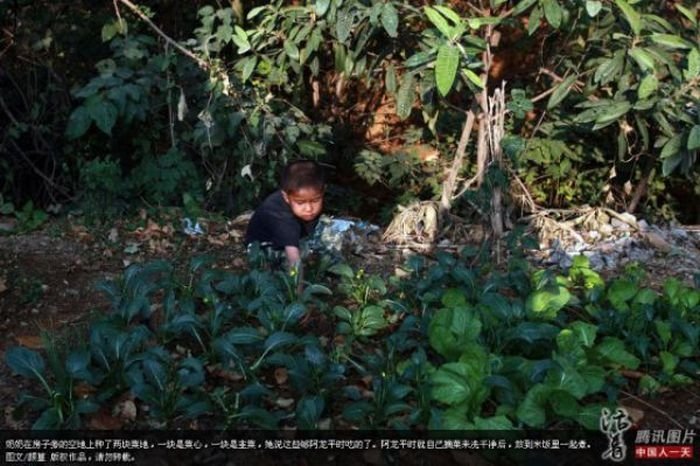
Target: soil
(48, 277)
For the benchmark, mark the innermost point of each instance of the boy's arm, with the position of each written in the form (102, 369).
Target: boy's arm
(294, 262)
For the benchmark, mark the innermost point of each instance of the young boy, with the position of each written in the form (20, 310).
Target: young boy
(291, 213)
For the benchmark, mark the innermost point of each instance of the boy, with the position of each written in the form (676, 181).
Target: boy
(291, 213)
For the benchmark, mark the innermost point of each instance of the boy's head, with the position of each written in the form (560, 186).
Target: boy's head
(303, 185)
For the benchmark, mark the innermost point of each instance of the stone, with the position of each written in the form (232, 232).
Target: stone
(656, 240)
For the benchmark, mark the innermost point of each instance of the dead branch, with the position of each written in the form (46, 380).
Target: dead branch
(135, 9)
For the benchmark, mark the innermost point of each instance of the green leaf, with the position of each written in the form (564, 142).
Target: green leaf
(25, 362)
(446, 68)
(668, 362)
(418, 59)
(291, 49)
(109, 31)
(78, 123)
(612, 114)
(458, 382)
(672, 146)
(671, 163)
(342, 270)
(546, 304)
(243, 336)
(249, 67)
(648, 385)
(310, 148)
(390, 19)
(343, 25)
(671, 41)
(565, 377)
(405, 96)
(532, 409)
(102, 112)
(564, 403)
(522, 6)
(390, 79)
(241, 40)
(643, 58)
(309, 411)
(49, 420)
(620, 292)
(648, 86)
(372, 320)
(694, 138)
(589, 416)
(692, 17)
(613, 350)
(693, 69)
(561, 91)
(552, 12)
(438, 21)
(448, 13)
(77, 363)
(473, 77)
(321, 7)
(593, 7)
(585, 333)
(631, 15)
(533, 331)
(279, 339)
(452, 329)
(609, 69)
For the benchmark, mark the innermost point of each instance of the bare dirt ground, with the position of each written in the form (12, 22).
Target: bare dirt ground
(47, 284)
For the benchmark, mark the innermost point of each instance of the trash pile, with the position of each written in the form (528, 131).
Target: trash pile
(341, 235)
(611, 239)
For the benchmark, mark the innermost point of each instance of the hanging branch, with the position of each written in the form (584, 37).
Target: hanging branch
(202, 64)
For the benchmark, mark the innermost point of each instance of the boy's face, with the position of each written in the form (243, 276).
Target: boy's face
(306, 203)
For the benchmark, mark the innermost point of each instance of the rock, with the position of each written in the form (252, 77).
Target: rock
(125, 410)
(619, 225)
(656, 240)
(643, 225)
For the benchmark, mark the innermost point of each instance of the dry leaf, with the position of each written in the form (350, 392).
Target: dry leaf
(83, 390)
(30, 341)
(281, 375)
(103, 420)
(215, 242)
(634, 413)
(3, 286)
(107, 253)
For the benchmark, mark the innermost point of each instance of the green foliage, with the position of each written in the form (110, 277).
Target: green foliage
(59, 406)
(105, 191)
(441, 348)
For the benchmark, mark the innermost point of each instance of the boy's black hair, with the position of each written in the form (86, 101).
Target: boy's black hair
(302, 174)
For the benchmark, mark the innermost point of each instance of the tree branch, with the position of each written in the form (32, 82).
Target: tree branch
(202, 64)
(448, 186)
